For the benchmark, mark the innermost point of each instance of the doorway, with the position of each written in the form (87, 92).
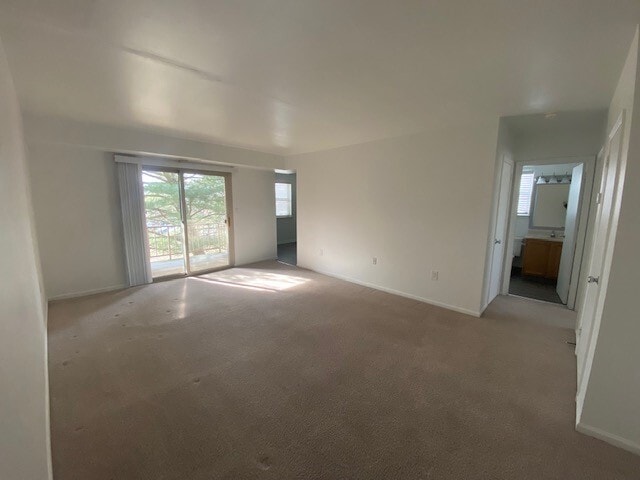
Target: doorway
(285, 193)
(188, 221)
(548, 229)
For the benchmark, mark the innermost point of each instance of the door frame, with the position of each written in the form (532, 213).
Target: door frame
(229, 220)
(587, 197)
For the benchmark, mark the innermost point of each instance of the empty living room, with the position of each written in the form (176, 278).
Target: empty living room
(319, 239)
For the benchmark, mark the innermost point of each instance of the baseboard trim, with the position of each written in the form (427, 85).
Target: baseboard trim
(610, 438)
(466, 311)
(66, 296)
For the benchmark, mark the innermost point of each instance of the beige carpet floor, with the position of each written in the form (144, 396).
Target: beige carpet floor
(274, 372)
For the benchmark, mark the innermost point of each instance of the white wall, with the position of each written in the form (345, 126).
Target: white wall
(287, 227)
(24, 402)
(77, 208)
(254, 209)
(418, 203)
(522, 226)
(54, 130)
(77, 213)
(609, 407)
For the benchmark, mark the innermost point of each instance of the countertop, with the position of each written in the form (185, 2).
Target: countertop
(540, 237)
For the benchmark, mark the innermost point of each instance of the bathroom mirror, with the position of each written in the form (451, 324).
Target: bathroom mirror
(548, 206)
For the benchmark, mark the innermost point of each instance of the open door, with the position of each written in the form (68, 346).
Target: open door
(570, 232)
(500, 237)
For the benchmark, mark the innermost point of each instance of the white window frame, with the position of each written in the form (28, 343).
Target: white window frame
(287, 199)
(525, 203)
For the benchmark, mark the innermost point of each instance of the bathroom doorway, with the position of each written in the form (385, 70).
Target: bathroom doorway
(548, 227)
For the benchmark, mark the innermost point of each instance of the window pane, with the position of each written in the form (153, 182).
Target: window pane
(206, 219)
(283, 208)
(164, 223)
(283, 199)
(526, 189)
(283, 191)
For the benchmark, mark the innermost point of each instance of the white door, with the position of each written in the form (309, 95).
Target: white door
(591, 307)
(500, 237)
(570, 232)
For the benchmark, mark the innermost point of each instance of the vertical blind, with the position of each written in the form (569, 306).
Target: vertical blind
(526, 190)
(133, 223)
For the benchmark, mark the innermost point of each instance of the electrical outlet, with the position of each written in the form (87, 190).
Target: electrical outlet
(434, 275)
(375, 260)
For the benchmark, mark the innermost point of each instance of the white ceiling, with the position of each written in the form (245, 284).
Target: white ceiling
(555, 169)
(290, 76)
(591, 122)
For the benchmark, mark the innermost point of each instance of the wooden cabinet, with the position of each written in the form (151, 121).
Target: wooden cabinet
(541, 258)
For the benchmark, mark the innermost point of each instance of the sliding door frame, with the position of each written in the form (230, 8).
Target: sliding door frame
(183, 219)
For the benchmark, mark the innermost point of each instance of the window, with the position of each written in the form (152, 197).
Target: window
(526, 190)
(283, 200)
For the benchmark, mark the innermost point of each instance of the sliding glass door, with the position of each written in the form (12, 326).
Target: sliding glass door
(207, 231)
(163, 212)
(188, 221)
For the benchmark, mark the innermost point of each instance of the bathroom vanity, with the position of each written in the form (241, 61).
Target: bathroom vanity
(541, 257)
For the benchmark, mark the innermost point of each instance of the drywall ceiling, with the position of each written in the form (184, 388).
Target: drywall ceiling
(556, 169)
(291, 76)
(563, 122)
(562, 134)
